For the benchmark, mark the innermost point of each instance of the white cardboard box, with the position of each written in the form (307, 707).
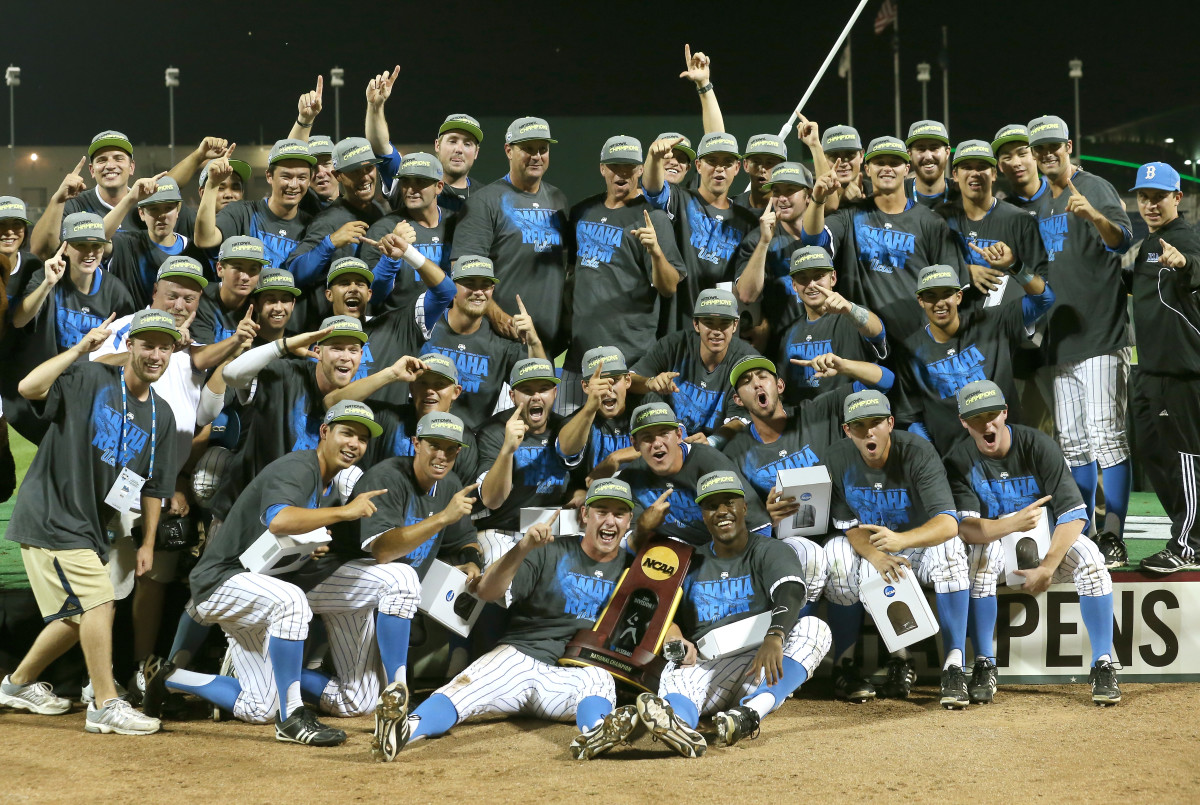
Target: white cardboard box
(444, 598)
(274, 555)
(900, 610)
(1024, 543)
(734, 637)
(566, 525)
(810, 486)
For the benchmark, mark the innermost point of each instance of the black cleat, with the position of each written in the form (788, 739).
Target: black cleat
(302, 727)
(954, 688)
(735, 724)
(1105, 690)
(849, 685)
(1167, 561)
(155, 671)
(1113, 549)
(982, 687)
(901, 674)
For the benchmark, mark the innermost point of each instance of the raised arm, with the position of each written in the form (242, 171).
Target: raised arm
(36, 385)
(46, 232)
(307, 109)
(496, 579)
(696, 68)
(379, 89)
(207, 235)
(209, 148)
(400, 541)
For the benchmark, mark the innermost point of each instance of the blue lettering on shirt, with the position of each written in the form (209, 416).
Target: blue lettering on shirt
(806, 351)
(472, 369)
(541, 469)
(886, 250)
(762, 478)
(950, 374)
(1001, 496)
(596, 242)
(971, 256)
(276, 246)
(73, 325)
(721, 598)
(683, 512)
(583, 596)
(540, 228)
(1054, 234)
(305, 429)
(713, 238)
(885, 507)
(417, 556)
(696, 408)
(106, 425)
(602, 444)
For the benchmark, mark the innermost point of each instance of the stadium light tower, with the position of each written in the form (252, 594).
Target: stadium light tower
(923, 77)
(337, 79)
(1076, 73)
(12, 77)
(172, 81)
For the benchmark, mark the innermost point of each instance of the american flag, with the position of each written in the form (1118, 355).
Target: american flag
(885, 17)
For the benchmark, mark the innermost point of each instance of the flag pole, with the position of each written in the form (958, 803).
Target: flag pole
(945, 77)
(824, 66)
(896, 68)
(849, 86)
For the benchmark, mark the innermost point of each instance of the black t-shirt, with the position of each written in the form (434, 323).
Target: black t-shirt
(68, 314)
(255, 218)
(1015, 227)
(400, 427)
(780, 305)
(615, 303)
(329, 220)
(540, 471)
(484, 361)
(136, 259)
(406, 286)
(61, 505)
(1165, 307)
(806, 339)
(214, 323)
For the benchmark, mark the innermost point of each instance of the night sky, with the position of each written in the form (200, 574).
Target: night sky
(243, 65)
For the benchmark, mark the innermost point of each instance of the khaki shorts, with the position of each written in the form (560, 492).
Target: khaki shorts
(68, 583)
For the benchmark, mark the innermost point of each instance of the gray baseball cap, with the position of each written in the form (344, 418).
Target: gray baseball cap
(154, 320)
(685, 146)
(937, 276)
(766, 145)
(621, 150)
(242, 169)
(473, 265)
(887, 146)
(354, 411)
(1010, 133)
(348, 265)
(243, 247)
(609, 489)
(185, 267)
(290, 149)
(611, 359)
(718, 142)
(865, 404)
(927, 130)
(13, 209)
(841, 138)
(166, 191)
(749, 364)
(84, 227)
(979, 397)
(974, 149)
(107, 139)
(343, 326)
(461, 122)
(351, 153)
(651, 414)
(524, 129)
(790, 173)
(807, 257)
(714, 483)
(715, 302)
(420, 165)
(532, 369)
(1048, 129)
(276, 279)
(441, 425)
(438, 364)
(320, 145)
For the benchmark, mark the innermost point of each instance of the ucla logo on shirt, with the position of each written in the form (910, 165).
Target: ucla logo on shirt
(539, 228)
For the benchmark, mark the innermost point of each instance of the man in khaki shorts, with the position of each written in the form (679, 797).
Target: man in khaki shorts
(110, 448)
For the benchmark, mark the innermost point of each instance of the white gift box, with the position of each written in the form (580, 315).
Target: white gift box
(811, 487)
(444, 598)
(566, 525)
(899, 609)
(274, 555)
(735, 637)
(1024, 550)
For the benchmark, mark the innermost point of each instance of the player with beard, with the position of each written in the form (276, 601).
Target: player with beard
(223, 305)
(928, 145)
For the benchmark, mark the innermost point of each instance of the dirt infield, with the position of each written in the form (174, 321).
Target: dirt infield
(1035, 744)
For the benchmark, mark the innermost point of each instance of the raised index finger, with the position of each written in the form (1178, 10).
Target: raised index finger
(521, 305)
(646, 215)
(249, 314)
(687, 55)
(320, 84)
(79, 168)
(662, 499)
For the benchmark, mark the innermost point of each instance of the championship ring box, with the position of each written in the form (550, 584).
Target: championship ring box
(1024, 550)
(900, 610)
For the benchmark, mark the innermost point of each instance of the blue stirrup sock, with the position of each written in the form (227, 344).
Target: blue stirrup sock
(684, 709)
(1097, 612)
(391, 632)
(287, 661)
(1118, 480)
(982, 626)
(1086, 478)
(435, 716)
(222, 691)
(952, 613)
(591, 711)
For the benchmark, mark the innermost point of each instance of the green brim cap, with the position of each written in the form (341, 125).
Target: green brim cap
(110, 138)
(979, 397)
(473, 265)
(651, 414)
(841, 138)
(685, 145)
(461, 122)
(420, 165)
(441, 425)
(610, 359)
(718, 142)
(532, 369)
(714, 483)
(974, 149)
(348, 265)
(609, 489)
(790, 173)
(242, 169)
(1010, 133)
(438, 364)
(715, 302)
(621, 150)
(83, 227)
(1048, 129)
(353, 152)
(151, 320)
(277, 279)
(13, 209)
(166, 191)
(927, 130)
(343, 326)
(887, 146)
(937, 276)
(524, 129)
(749, 364)
(243, 247)
(354, 411)
(181, 266)
(767, 145)
(866, 404)
(809, 257)
(290, 149)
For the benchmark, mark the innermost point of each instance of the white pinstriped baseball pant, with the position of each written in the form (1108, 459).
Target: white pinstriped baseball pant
(1083, 563)
(816, 565)
(714, 685)
(507, 681)
(1090, 400)
(943, 567)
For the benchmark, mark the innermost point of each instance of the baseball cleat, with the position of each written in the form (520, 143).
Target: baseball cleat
(849, 685)
(618, 727)
(901, 674)
(118, 715)
(1167, 561)
(302, 727)
(1105, 690)
(982, 687)
(659, 718)
(1113, 549)
(735, 724)
(36, 697)
(391, 723)
(156, 670)
(954, 688)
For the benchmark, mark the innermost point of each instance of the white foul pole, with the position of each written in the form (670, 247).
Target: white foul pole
(824, 66)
